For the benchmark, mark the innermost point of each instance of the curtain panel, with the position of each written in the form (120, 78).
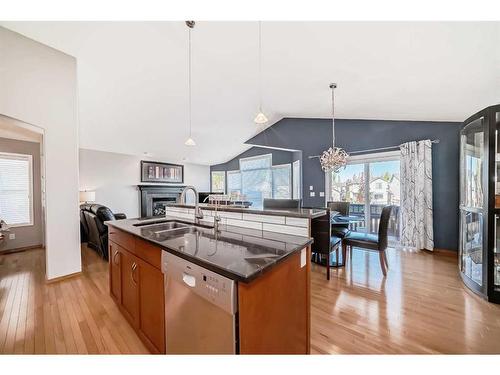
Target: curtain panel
(416, 195)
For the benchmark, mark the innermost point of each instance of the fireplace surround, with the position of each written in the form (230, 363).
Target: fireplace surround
(153, 198)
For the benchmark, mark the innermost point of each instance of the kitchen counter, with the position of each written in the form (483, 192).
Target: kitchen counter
(309, 213)
(241, 254)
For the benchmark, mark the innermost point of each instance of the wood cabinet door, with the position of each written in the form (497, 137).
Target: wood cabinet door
(115, 282)
(152, 305)
(129, 286)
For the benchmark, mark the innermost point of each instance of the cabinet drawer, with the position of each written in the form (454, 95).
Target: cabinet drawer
(123, 239)
(148, 252)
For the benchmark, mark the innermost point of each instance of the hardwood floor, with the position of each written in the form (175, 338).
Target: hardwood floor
(421, 307)
(74, 316)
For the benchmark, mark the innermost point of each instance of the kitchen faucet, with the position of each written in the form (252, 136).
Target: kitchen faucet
(217, 219)
(197, 210)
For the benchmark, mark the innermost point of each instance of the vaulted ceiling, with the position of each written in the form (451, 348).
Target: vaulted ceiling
(133, 77)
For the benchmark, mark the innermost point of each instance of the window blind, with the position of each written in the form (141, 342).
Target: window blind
(16, 189)
(282, 176)
(233, 182)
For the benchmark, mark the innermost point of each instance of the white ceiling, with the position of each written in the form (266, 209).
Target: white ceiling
(133, 77)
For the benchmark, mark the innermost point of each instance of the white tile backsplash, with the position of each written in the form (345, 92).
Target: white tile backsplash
(244, 224)
(297, 221)
(286, 229)
(229, 215)
(265, 218)
(279, 224)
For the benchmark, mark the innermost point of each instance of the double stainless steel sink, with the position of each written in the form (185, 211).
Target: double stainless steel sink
(164, 229)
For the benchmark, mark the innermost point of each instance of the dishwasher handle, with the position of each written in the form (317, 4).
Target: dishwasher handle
(188, 279)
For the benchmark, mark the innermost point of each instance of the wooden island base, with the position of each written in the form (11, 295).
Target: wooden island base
(273, 310)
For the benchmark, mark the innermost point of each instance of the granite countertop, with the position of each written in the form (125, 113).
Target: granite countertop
(309, 213)
(240, 254)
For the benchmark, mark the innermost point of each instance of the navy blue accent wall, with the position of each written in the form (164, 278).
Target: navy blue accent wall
(312, 136)
(279, 157)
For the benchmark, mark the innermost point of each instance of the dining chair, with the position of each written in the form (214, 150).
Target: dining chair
(324, 243)
(340, 230)
(371, 242)
(281, 204)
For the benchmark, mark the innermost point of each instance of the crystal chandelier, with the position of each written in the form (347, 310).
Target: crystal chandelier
(335, 158)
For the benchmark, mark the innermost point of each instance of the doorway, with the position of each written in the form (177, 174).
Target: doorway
(22, 186)
(369, 182)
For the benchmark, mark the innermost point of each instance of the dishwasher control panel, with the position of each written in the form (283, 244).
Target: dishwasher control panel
(218, 289)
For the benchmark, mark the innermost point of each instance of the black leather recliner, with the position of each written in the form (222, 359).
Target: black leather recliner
(92, 228)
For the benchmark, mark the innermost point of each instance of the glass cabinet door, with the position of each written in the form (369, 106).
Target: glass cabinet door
(472, 200)
(496, 255)
(496, 248)
(472, 152)
(472, 246)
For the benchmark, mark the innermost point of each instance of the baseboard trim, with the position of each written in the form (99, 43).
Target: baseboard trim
(61, 278)
(19, 249)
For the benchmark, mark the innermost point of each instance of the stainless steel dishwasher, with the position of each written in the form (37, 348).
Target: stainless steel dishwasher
(200, 309)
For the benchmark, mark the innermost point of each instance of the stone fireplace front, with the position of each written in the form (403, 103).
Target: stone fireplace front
(153, 198)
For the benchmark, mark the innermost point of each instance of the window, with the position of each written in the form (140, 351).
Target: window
(282, 175)
(234, 183)
(297, 193)
(218, 181)
(258, 179)
(369, 182)
(16, 189)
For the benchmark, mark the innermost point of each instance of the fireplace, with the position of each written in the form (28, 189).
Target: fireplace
(153, 198)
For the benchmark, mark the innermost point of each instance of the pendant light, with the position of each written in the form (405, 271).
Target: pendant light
(190, 141)
(261, 118)
(335, 158)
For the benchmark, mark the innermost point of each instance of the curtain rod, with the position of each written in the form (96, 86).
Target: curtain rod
(373, 149)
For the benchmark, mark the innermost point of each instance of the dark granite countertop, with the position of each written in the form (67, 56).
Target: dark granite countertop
(241, 254)
(310, 213)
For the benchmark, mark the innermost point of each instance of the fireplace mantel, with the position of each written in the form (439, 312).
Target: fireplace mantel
(149, 194)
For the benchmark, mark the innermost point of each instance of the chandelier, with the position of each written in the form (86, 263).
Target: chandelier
(335, 158)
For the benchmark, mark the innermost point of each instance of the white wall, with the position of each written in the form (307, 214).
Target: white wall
(114, 177)
(38, 86)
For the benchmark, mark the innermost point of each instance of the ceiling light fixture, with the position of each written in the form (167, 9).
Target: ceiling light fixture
(261, 118)
(335, 158)
(190, 141)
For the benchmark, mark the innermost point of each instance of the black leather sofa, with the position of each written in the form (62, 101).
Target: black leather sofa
(92, 228)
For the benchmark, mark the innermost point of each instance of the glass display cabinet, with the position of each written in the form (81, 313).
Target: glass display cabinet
(479, 245)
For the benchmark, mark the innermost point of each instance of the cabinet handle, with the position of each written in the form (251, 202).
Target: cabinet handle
(114, 257)
(134, 267)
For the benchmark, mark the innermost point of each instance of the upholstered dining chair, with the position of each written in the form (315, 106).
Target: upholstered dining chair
(324, 243)
(340, 230)
(371, 242)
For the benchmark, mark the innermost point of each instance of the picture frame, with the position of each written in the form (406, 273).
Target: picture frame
(158, 172)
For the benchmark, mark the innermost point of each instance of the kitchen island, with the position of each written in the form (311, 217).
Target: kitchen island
(270, 271)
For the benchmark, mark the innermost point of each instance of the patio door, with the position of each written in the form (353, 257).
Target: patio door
(369, 182)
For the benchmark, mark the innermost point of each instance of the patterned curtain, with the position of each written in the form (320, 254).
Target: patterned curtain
(416, 195)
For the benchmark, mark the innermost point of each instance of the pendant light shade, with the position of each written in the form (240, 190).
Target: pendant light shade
(261, 118)
(189, 141)
(335, 158)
